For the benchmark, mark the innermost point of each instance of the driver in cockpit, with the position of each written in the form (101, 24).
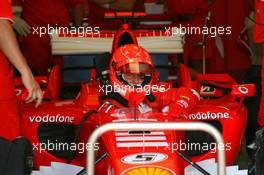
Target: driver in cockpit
(134, 84)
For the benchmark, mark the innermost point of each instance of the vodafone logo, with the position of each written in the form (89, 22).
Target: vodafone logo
(51, 119)
(209, 115)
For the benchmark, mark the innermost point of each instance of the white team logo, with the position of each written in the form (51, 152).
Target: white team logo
(18, 92)
(207, 90)
(243, 90)
(144, 158)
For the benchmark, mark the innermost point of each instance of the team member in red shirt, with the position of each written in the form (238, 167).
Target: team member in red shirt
(36, 14)
(259, 38)
(192, 13)
(10, 53)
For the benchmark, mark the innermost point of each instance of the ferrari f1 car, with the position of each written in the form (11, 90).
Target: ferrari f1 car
(59, 129)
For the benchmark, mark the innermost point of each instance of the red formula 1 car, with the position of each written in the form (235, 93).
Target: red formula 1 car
(59, 129)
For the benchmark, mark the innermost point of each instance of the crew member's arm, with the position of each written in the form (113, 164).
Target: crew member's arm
(77, 9)
(20, 25)
(78, 13)
(9, 46)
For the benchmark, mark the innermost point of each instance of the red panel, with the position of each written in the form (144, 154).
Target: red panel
(230, 13)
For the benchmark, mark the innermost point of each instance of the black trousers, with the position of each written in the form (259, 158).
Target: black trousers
(259, 156)
(15, 157)
(252, 103)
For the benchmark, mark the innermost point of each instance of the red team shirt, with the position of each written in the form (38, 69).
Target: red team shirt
(259, 38)
(36, 14)
(41, 13)
(259, 18)
(44, 12)
(9, 118)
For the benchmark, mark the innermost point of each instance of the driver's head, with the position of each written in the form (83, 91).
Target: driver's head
(132, 66)
(133, 79)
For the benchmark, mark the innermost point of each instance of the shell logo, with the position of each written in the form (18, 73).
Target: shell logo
(148, 171)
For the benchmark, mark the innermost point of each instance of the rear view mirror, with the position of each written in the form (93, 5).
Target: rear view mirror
(243, 90)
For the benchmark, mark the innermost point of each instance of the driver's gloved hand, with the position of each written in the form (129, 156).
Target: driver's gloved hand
(178, 109)
(180, 100)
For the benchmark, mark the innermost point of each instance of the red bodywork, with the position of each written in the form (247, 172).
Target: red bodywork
(232, 116)
(56, 122)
